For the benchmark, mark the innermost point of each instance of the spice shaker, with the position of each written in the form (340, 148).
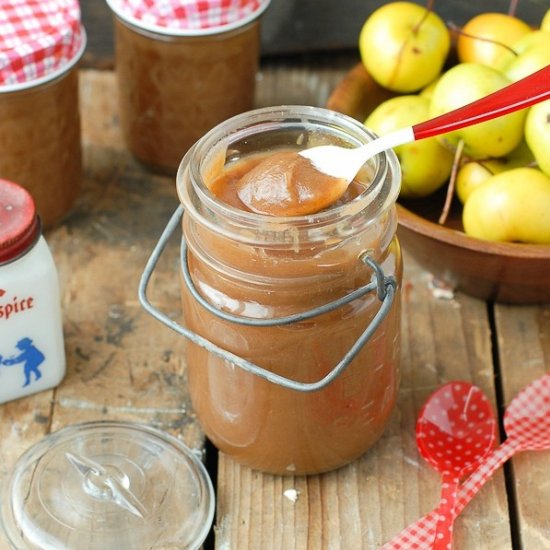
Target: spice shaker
(32, 354)
(182, 68)
(40, 148)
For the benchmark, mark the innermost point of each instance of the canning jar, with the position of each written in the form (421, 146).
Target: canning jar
(40, 142)
(293, 322)
(32, 353)
(182, 69)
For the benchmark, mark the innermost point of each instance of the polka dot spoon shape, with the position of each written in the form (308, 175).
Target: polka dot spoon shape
(527, 426)
(456, 428)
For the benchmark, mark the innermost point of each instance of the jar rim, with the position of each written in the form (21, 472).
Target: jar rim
(380, 195)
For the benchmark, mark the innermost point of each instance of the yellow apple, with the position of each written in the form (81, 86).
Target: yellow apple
(474, 173)
(537, 134)
(425, 164)
(427, 91)
(463, 84)
(404, 46)
(532, 53)
(487, 36)
(533, 39)
(545, 23)
(513, 206)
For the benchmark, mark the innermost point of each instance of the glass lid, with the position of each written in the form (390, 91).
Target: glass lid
(106, 485)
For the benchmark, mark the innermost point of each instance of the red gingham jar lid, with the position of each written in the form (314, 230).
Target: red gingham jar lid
(188, 17)
(19, 224)
(39, 39)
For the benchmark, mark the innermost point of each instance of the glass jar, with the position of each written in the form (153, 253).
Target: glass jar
(179, 76)
(32, 353)
(293, 354)
(40, 142)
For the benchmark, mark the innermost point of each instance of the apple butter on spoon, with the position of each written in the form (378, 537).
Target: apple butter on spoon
(301, 183)
(288, 184)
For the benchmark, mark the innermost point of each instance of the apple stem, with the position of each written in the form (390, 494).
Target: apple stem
(415, 29)
(458, 30)
(512, 8)
(452, 183)
(429, 9)
(485, 167)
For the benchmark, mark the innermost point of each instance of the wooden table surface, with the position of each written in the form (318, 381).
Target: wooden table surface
(122, 364)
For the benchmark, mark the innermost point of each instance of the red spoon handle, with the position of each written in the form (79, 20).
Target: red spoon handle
(519, 95)
(420, 534)
(447, 513)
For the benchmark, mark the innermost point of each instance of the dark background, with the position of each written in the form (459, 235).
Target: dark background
(300, 26)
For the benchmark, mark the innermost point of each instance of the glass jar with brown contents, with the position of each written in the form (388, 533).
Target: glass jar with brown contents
(40, 145)
(181, 70)
(293, 320)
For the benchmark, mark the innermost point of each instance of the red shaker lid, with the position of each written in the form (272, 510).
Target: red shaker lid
(38, 39)
(188, 17)
(19, 224)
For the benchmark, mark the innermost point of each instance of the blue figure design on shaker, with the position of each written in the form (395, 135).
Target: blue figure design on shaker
(30, 356)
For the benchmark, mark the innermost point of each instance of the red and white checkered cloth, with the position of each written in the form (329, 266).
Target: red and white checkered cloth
(37, 38)
(188, 15)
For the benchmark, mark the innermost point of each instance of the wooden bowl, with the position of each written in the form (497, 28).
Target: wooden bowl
(504, 272)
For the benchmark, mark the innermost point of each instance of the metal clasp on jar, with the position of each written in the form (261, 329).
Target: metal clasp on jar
(384, 286)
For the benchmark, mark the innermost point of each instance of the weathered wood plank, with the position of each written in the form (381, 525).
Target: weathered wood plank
(524, 355)
(22, 423)
(121, 364)
(366, 503)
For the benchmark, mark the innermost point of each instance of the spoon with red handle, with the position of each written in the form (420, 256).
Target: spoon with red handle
(315, 178)
(455, 430)
(344, 163)
(527, 425)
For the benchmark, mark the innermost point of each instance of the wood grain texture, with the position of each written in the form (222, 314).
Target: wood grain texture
(366, 503)
(121, 364)
(124, 365)
(524, 354)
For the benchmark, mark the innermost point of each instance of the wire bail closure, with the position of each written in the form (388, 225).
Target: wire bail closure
(384, 286)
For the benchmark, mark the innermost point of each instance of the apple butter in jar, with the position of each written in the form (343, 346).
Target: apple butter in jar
(182, 68)
(40, 147)
(293, 319)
